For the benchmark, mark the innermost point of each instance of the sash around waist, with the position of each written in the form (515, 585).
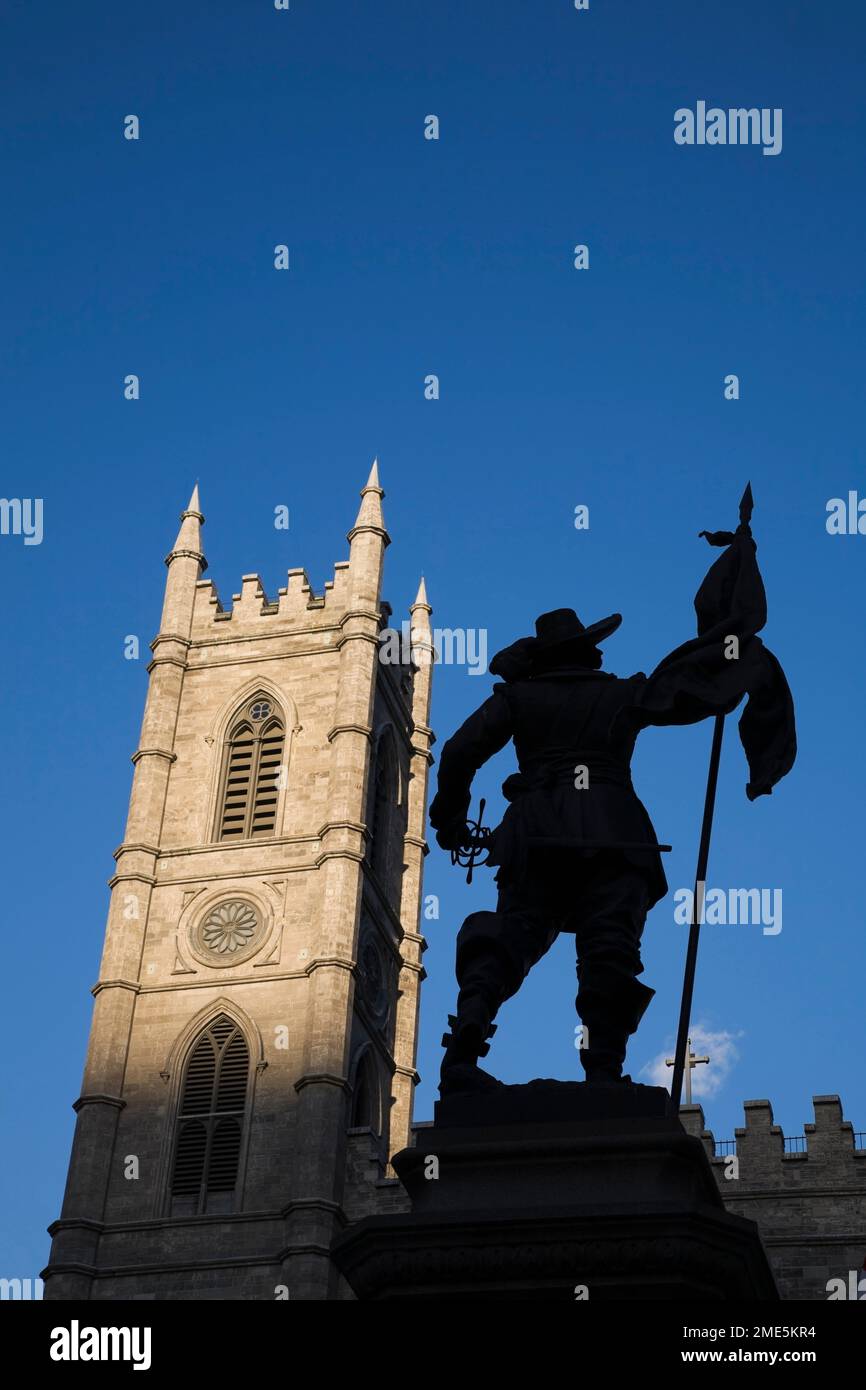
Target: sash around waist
(541, 773)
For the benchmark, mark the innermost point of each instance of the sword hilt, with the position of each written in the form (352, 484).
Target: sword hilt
(467, 856)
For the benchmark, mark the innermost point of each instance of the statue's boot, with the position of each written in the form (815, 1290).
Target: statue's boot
(471, 1028)
(466, 1078)
(485, 980)
(602, 1061)
(492, 960)
(611, 1007)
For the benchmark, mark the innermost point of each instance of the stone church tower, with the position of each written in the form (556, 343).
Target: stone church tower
(252, 1054)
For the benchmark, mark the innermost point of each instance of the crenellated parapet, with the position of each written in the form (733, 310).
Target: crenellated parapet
(295, 605)
(806, 1192)
(768, 1158)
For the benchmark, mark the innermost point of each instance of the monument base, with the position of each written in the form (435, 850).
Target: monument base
(557, 1190)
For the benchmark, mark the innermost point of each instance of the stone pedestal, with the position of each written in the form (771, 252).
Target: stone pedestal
(557, 1190)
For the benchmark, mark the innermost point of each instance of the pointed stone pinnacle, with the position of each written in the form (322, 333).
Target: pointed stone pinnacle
(189, 536)
(421, 598)
(370, 516)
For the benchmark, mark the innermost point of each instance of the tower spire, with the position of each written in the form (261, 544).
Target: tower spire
(423, 651)
(421, 598)
(186, 564)
(368, 539)
(370, 516)
(188, 541)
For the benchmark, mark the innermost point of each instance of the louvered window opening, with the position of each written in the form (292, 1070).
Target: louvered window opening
(210, 1122)
(366, 1107)
(252, 781)
(382, 806)
(362, 1100)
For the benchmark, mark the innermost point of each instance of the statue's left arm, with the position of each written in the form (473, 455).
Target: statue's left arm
(484, 733)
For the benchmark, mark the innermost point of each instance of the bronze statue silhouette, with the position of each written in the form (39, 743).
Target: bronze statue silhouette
(576, 851)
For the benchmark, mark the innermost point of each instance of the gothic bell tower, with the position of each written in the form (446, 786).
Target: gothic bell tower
(251, 1061)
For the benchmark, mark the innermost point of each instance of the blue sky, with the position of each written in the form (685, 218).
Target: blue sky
(557, 388)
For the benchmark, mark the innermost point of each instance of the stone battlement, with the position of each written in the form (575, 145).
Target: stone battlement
(295, 602)
(766, 1156)
(807, 1193)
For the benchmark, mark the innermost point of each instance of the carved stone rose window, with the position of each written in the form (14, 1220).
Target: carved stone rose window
(373, 980)
(230, 932)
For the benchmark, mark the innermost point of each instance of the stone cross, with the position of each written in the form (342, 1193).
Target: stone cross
(691, 1061)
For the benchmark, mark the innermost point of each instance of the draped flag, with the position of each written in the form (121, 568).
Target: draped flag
(710, 674)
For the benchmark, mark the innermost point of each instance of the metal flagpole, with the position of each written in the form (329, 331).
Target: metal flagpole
(697, 912)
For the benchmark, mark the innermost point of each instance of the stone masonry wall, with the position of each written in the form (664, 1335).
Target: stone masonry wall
(810, 1206)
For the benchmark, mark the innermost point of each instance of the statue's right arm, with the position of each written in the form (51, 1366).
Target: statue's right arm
(484, 733)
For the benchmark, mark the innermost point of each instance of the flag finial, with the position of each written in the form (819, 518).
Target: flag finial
(747, 502)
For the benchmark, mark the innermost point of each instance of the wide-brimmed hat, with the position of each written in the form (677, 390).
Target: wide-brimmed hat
(560, 628)
(563, 625)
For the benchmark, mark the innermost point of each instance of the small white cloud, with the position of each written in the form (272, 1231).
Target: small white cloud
(709, 1077)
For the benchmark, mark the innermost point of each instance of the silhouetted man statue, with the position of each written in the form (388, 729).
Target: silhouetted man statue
(576, 851)
(572, 804)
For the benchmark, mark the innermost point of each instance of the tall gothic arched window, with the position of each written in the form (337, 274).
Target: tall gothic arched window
(210, 1121)
(382, 802)
(365, 1111)
(250, 787)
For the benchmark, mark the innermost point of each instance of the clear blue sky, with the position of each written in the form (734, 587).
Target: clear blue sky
(558, 387)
